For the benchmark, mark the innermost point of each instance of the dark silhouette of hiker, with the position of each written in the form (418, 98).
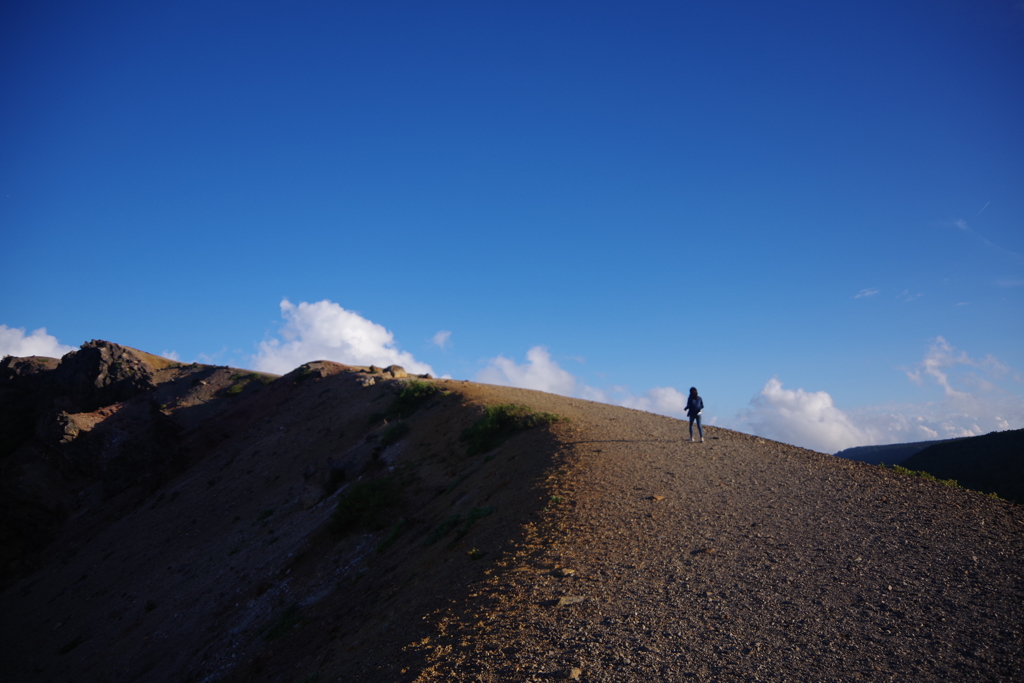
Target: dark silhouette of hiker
(695, 404)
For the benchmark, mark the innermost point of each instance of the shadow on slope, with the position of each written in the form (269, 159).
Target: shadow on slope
(226, 567)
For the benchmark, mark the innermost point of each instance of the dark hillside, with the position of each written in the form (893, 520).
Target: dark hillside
(889, 454)
(193, 534)
(990, 463)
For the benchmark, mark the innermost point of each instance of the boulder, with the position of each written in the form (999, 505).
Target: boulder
(396, 371)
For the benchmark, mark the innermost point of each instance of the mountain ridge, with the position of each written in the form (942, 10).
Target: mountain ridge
(195, 543)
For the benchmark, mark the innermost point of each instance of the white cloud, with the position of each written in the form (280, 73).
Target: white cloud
(660, 400)
(865, 293)
(172, 355)
(971, 399)
(974, 400)
(14, 342)
(542, 373)
(326, 331)
(539, 372)
(441, 339)
(805, 418)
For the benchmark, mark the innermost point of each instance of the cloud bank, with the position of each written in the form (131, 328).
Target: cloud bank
(969, 400)
(972, 401)
(14, 342)
(538, 372)
(804, 418)
(326, 331)
(542, 373)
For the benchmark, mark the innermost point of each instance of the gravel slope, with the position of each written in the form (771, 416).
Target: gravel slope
(741, 559)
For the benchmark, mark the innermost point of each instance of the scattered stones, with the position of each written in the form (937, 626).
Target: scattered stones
(566, 600)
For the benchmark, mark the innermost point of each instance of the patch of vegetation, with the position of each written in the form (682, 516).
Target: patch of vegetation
(923, 475)
(412, 398)
(71, 645)
(462, 478)
(394, 433)
(366, 504)
(443, 529)
(284, 624)
(264, 514)
(240, 382)
(459, 524)
(397, 530)
(500, 423)
(475, 553)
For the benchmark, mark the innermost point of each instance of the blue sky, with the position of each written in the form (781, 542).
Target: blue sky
(812, 212)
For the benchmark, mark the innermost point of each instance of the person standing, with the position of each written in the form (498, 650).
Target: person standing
(694, 405)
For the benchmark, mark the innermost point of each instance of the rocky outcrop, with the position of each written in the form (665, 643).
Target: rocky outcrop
(100, 374)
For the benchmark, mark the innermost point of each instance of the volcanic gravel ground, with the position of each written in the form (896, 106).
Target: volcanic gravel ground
(741, 559)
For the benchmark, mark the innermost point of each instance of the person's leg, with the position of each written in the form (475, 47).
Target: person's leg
(699, 429)
(691, 429)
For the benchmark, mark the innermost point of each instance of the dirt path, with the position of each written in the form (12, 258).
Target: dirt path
(740, 559)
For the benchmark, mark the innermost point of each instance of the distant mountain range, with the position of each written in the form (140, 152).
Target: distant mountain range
(890, 454)
(992, 463)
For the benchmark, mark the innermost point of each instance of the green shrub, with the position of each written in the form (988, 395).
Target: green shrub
(499, 423)
(71, 645)
(288, 620)
(443, 529)
(459, 523)
(394, 433)
(397, 530)
(412, 398)
(366, 504)
(923, 475)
